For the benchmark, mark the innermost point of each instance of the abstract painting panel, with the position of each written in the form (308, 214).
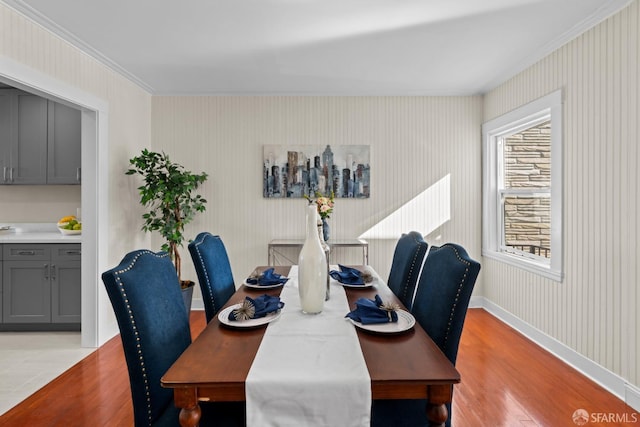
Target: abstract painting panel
(296, 171)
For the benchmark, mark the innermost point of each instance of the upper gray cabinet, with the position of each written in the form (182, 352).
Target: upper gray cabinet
(63, 145)
(39, 140)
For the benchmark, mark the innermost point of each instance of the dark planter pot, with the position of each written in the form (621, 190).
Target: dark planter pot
(187, 294)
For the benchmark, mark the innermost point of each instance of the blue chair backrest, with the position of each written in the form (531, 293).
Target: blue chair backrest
(405, 266)
(154, 326)
(212, 266)
(443, 295)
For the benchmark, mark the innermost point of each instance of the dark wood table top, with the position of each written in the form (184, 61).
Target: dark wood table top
(401, 366)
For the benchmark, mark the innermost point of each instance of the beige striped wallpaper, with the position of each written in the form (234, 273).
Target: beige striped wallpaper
(415, 142)
(594, 311)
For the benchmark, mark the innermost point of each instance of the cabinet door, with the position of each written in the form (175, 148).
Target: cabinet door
(65, 292)
(64, 141)
(6, 134)
(26, 292)
(65, 283)
(29, 151)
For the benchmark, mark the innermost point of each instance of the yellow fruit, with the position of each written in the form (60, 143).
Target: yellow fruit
(67, 218)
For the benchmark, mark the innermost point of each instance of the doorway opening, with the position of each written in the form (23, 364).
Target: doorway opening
(95, 330)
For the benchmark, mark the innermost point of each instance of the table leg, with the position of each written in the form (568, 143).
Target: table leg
(187, 400)
(437, 413)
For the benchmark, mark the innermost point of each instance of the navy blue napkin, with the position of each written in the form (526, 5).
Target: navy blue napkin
(373, 311)
(347, 275)
(267, 278)
(254, 308)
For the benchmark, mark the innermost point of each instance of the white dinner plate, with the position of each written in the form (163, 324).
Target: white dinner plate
(223, 317)
(366, 285)
(258, 286)
(405, 322)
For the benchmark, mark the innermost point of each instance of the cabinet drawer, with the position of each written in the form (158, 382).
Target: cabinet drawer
(24, 252)
(66, 252)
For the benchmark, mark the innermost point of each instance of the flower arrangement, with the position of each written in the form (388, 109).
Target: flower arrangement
(325, 204)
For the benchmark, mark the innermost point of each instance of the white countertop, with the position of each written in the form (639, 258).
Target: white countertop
(33, 232)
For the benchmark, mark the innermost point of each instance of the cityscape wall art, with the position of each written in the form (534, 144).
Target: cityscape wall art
(294, 171)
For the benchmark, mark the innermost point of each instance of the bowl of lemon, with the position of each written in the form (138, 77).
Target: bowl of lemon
(69, 225)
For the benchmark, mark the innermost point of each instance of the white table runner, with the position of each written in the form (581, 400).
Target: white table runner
(309, 369)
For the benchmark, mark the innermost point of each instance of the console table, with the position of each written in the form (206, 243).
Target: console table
(277, 244)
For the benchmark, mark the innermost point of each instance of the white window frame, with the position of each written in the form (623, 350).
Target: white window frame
(493, 131)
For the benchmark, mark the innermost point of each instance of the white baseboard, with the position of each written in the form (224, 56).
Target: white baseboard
(614, 383)
(632, 396)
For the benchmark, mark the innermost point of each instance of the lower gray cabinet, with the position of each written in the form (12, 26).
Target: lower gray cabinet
(65, 283)
(41, 284)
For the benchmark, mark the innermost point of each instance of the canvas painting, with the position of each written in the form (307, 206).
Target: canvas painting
(299, 170)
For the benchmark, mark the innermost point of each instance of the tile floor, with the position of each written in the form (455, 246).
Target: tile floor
(29, 360)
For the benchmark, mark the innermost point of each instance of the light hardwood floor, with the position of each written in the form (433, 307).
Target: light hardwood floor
(506, 381)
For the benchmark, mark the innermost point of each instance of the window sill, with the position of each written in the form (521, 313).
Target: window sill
(524, 264)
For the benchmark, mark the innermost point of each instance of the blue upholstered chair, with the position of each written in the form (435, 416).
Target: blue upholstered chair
(214, 272)
(440, 306)
(154, 328)
(405, 266)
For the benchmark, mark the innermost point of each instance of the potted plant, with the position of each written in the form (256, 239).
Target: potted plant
(169, 193)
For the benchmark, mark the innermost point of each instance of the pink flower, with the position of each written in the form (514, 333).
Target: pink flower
(325, 204)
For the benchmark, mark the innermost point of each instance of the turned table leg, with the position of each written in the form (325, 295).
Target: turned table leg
(439, 396)
(187, 400)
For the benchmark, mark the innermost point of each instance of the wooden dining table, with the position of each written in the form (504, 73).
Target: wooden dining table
(408, 365)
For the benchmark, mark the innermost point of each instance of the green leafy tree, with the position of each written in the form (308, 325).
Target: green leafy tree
(169, 192)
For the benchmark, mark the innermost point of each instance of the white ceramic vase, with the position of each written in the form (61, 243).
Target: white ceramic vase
(312, 267)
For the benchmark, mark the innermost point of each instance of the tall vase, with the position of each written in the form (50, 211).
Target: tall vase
(327, 251)
(312, 267)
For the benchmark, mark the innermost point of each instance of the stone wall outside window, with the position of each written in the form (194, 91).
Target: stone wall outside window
(527, 157)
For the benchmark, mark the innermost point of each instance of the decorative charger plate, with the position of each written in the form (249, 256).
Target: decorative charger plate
(223, 317)
(258, 286)
(405, 322)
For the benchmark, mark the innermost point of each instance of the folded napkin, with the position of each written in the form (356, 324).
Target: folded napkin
(254, 308)
(267, 278)
(373, 311)
(350, 276)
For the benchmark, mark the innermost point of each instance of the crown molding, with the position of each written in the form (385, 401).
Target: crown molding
(42, 20)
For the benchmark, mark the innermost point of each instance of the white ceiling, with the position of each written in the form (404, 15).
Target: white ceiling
(318, 47)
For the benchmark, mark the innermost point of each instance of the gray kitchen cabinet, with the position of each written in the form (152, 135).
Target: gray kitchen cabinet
(65, 283)
(41, 284)
(23, 137)
(39, 140)
(63, 144)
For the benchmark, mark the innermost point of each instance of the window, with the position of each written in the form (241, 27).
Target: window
(522, 187)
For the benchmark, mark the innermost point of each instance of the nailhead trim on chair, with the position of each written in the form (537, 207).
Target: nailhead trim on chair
(413, 263)
(134, 327)
(196, 245)
(455, 302)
